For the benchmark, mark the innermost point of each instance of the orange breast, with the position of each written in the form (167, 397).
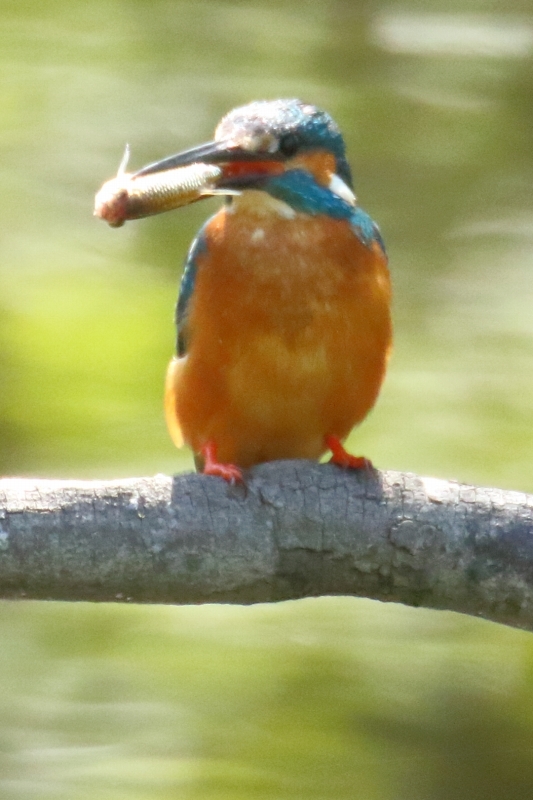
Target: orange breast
(289, 332)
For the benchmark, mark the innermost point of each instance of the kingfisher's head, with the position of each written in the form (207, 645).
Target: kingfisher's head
(291, 150)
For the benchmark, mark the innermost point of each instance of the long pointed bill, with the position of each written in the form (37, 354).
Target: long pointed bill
(241, 168)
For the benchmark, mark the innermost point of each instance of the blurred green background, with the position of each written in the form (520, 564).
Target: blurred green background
(332, 698)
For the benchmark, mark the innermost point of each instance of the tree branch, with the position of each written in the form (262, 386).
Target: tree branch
(297, 529)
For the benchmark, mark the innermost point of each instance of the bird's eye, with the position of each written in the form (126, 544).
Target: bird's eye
(289, 144)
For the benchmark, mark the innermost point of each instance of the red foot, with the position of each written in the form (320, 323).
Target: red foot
(229, 472)
(344, 459)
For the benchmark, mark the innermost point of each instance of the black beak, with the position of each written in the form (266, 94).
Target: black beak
(209, 153)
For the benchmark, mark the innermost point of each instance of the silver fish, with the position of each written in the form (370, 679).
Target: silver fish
(128, 197)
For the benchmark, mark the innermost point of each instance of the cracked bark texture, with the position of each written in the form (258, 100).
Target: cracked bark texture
(296, 529)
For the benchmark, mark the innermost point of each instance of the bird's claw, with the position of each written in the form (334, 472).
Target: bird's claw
(212, 466)
(344, 459)
(229, 472)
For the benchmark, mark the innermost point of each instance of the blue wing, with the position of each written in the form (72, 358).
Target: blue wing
(366, 229)
(198, 247)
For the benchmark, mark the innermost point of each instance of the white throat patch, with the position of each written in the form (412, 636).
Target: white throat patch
(338, 187)
(261, 204)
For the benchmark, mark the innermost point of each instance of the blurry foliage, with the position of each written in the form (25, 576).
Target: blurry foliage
(321, 699)
(330, 698)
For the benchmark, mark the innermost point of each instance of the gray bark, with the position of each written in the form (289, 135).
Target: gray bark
(295, 529)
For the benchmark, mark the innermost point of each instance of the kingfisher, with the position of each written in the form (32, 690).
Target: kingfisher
(283, 317)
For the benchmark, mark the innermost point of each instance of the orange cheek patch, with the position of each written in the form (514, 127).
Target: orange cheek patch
(320, 164)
